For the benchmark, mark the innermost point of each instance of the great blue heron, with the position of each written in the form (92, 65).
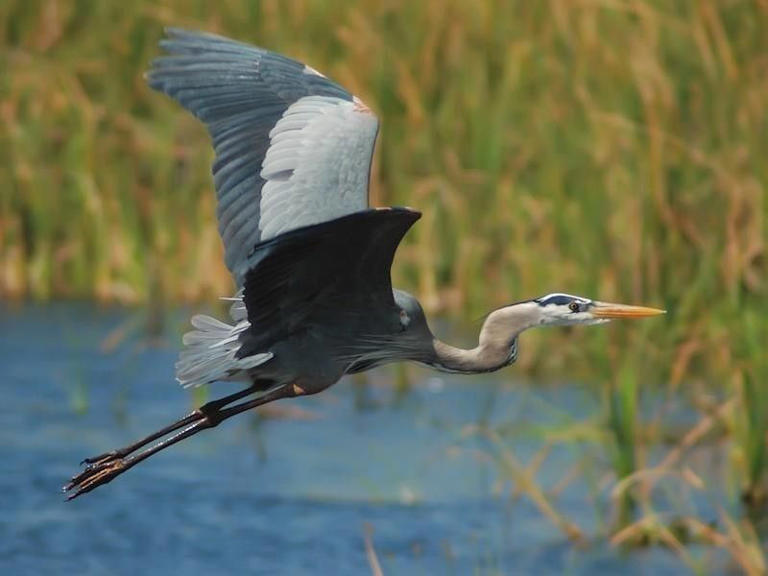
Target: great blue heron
(310, 259)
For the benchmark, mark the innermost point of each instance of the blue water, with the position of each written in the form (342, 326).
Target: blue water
(285, 492)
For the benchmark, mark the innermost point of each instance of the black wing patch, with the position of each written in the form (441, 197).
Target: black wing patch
(297, 273)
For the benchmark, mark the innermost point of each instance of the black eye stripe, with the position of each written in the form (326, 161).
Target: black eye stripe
(558, 299)
(561, 299)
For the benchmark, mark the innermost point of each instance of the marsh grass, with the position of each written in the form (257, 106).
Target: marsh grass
(751, 423)
(622, 427)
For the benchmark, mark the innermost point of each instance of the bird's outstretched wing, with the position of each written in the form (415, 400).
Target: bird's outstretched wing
(292, 147)
(329, 268)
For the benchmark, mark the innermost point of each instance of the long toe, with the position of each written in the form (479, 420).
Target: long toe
(93, 477)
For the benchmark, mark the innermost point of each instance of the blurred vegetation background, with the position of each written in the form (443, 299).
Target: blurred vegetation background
(612, 148)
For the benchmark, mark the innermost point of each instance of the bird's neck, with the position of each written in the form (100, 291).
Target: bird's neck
(497, 346)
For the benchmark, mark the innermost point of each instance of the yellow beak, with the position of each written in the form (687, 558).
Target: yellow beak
(608, 310)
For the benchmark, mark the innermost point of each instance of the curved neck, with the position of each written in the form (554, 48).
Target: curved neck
(497, 345)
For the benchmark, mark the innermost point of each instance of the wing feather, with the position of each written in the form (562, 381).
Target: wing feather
(318, 164)
(253, 101)
(341, 264)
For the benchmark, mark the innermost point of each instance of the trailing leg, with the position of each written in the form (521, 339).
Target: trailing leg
(102, 469)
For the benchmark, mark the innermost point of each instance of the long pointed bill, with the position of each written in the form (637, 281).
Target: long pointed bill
(608, 310)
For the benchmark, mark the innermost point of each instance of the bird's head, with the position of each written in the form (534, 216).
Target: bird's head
(569, 310)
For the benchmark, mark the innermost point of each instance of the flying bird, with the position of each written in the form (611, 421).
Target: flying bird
(310, 259)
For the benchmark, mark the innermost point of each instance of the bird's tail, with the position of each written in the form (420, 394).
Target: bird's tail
(210, 353)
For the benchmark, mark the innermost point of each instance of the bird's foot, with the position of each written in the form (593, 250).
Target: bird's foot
(98, 470)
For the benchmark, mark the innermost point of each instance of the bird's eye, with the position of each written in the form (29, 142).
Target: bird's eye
(574, 306)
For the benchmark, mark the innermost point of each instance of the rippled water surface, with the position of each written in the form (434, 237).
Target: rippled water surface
(286, 492)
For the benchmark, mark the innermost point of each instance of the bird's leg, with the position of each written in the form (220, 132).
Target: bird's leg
(104, 470)
(208, 408)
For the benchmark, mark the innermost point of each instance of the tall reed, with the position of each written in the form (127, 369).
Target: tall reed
(751, 420)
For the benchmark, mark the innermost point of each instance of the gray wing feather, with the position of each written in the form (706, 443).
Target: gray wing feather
(318, 164)
(241, 92)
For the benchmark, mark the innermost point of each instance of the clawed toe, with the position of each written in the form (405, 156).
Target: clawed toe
(98, 471)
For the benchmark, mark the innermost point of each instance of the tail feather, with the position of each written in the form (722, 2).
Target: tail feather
(210, 352)
(207, 323)
(237, 311)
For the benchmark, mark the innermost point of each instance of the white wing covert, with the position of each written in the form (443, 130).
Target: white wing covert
(317, 165)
